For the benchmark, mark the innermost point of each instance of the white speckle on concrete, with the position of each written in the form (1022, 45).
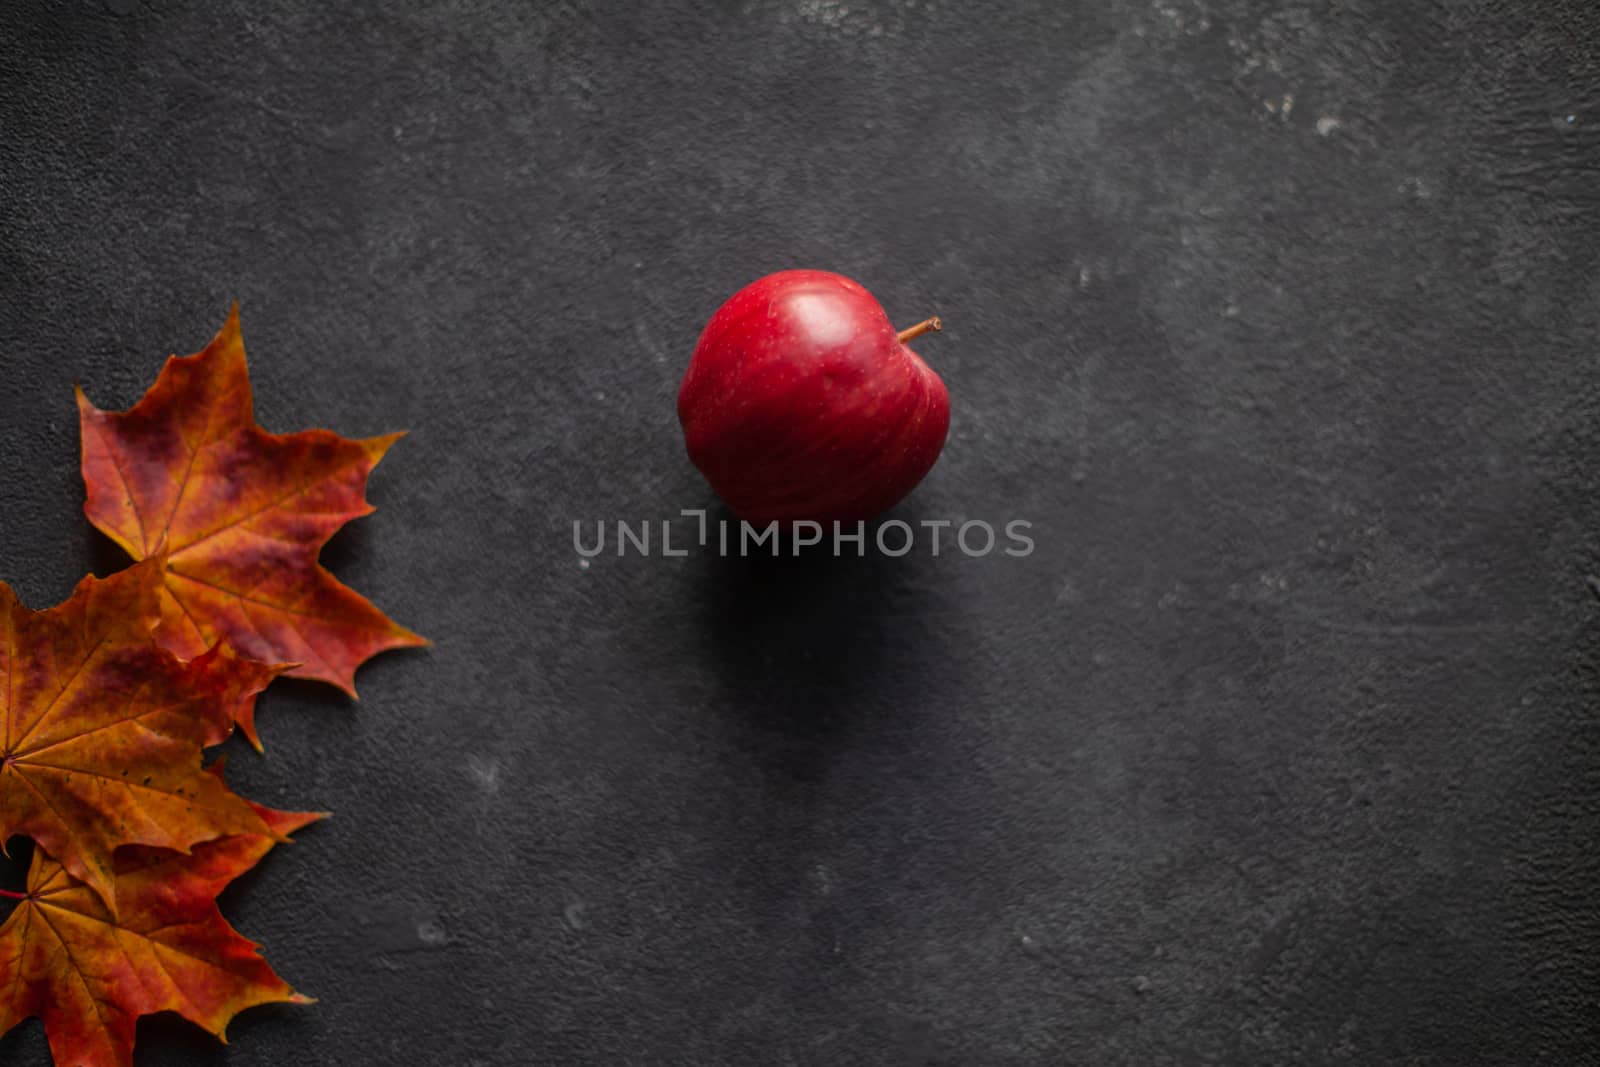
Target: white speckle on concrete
(1416, 187)
(822, 12)
(583, 564)
(1286, 107)
(1085, 276)
(485, 770)
(576, 915)
(431, 933)
(1177, 20)
(1327, 124)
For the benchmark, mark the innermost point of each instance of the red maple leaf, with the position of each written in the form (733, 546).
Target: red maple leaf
(101, 729)
(240, 516)
(89, 974)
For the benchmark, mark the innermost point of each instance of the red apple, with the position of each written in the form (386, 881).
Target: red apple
(802, 402)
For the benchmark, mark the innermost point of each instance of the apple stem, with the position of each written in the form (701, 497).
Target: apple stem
(11, 894)
(932, 325)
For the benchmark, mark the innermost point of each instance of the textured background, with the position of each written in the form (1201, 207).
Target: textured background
(1277, 317)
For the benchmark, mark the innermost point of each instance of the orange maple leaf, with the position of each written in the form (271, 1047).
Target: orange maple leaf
(240, 514)
(101, 729)
(89, 974)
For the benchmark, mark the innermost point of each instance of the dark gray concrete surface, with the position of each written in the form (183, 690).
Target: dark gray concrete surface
(1278, 318)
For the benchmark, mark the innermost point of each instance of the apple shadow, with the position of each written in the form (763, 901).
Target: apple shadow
(824, 665)
(811, 647)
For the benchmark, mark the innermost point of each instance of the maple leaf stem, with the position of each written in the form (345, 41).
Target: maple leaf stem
(11, 894)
